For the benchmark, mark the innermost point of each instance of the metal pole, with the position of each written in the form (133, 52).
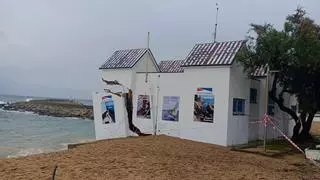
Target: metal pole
(266, 110)
(157, 108)
(148, 44)
(216, 25)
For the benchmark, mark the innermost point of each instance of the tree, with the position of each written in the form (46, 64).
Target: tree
(295, 53)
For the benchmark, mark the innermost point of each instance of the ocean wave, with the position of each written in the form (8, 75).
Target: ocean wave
(18, 112)
(3, 102)
(77, 118)
(28, 99)
(64, 145)
(26, 152)
(22, 112)
(72, 118)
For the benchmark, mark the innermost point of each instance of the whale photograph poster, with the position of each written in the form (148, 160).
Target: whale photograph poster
(204, 105)
(143, 107)
(107, 109)
(170, 109)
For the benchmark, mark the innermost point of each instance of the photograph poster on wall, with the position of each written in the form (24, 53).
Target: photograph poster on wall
(204, 105)
(170, 109)
(143, 107)
(107, 109)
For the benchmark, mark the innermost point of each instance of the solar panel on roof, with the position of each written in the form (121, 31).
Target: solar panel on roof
(211, 54)
(124, 58)
(173, 66)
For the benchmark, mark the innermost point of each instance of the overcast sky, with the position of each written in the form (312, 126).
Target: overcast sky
(54, 47)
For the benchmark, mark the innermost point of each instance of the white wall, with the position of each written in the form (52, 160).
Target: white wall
(239, 88)
(218, 79)
(141, 65)
(281, 118)
(227, 83)
(108, 131)
(185, 85)
(124, 76)
(262, 106)
(254, 115)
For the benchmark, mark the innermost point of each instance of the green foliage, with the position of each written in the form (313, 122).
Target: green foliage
(294, 53)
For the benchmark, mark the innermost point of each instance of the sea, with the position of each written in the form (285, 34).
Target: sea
(26, 133)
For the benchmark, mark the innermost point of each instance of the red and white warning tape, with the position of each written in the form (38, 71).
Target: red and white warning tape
(286, 137)
(268, 119)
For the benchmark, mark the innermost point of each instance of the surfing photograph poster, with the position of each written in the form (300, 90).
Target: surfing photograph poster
(204, 105)
(170, 109)
(107, 109)
(143, 107)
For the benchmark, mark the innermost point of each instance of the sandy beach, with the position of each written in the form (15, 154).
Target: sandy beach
(156, 157)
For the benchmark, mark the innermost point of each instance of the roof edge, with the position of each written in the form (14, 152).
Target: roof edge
(139, 58)
(207, 65)
(145, 50)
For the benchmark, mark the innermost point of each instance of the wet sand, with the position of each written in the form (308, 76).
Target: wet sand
(156, 157)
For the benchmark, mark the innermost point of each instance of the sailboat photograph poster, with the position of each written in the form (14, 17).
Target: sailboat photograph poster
(170, 109)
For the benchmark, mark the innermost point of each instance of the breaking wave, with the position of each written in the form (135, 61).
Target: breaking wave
(26, 152)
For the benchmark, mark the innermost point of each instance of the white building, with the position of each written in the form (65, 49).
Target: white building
(210, 71)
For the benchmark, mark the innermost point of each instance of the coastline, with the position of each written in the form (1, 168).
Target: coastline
(27, 133)
(20, 153)
(53, 107)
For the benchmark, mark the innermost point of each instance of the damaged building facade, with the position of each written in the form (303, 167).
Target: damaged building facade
(206, 97)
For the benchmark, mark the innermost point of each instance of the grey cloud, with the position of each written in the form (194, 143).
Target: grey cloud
(54, 47)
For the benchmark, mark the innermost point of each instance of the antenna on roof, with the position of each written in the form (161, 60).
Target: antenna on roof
(216, 25)
(148, 40)
(148, 44)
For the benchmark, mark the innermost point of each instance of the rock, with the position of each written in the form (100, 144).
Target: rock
(57, 108)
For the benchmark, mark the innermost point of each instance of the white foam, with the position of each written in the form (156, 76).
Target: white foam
(77, 118)
(72, 118)
(65, 145)
(28, 112)
(85, 140)
(26, 152)
(3, 102)
(18, 112)
(29, 99)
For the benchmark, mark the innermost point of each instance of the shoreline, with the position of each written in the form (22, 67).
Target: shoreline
(62, 115)
(31, 151)
(52, 107)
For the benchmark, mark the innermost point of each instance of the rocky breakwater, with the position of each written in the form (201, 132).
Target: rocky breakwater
(52, 107)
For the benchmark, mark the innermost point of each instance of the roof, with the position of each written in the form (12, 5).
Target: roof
(124, 58)
(173, 66)
(260, 72)
(213, 54)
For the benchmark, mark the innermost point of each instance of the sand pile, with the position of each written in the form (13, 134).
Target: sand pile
(155, 157)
